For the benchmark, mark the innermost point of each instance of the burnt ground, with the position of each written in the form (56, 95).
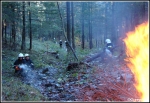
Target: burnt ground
(108, 80)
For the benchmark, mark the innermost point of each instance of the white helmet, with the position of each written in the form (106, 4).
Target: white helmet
(20, 55)
(26, 55)
(108, 41)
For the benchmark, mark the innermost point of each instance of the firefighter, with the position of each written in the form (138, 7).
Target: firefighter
(109, 45)
(67, 45)
(18, 62)
(28, 61)
(60, 43)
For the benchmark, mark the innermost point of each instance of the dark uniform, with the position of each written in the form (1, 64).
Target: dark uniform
(67, 45)
(110, 47)
(16, 65)
(29, 62)
(60, 43)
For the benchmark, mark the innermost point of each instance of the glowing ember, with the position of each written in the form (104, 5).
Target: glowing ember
(137, 51)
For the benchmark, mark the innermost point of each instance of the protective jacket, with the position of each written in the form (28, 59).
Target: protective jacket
(29, 63)
(18, 62)
(109, 46)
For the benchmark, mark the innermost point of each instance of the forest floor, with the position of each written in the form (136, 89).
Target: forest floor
(50, 81)
(111, 80)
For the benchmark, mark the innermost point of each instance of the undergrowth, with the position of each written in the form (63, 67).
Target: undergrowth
(12, 87)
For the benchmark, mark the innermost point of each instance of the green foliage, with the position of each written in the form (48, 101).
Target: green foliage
(12, 87)
(59, 80)
(14, 90)
(46, 22)
(75, 74)
(82, 53)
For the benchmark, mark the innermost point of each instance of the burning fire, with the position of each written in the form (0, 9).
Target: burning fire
(137, 51)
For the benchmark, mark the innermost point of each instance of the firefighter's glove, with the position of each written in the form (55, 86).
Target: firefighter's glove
(17, 68)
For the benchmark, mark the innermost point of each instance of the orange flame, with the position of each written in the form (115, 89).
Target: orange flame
(137, 51)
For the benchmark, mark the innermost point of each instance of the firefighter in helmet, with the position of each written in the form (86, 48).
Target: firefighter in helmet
(18, 62)
(28, 61)
(109, 45)
(67, 45)
(60, 43)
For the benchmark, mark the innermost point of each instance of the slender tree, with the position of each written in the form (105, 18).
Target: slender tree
(113, 35)
(23, 46)
(5, 26)
(30, 27)
(105, 35)
(82, 25)
(72, 13)
(13, 27)
(90, 26)
(68, 21)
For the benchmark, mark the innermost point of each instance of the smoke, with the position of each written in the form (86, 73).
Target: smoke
(25, 69)
(28, 74)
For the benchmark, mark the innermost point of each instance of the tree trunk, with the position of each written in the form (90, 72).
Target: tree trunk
(23, 31)
(90, 27)
(10, 35)
(113, 35)
(68, 22)
(73, 40)
(14, 35)
(83, 25)
(91, 37)
(3, 27)
(96, 43)
(13, 29)
(30, 31)
(5, 32)
(105, 35)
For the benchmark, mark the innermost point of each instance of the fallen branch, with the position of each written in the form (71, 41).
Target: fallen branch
(94, 57)
(76, 65)
(72, 65)
(65, 33)
(55, 53)
(85, 64)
